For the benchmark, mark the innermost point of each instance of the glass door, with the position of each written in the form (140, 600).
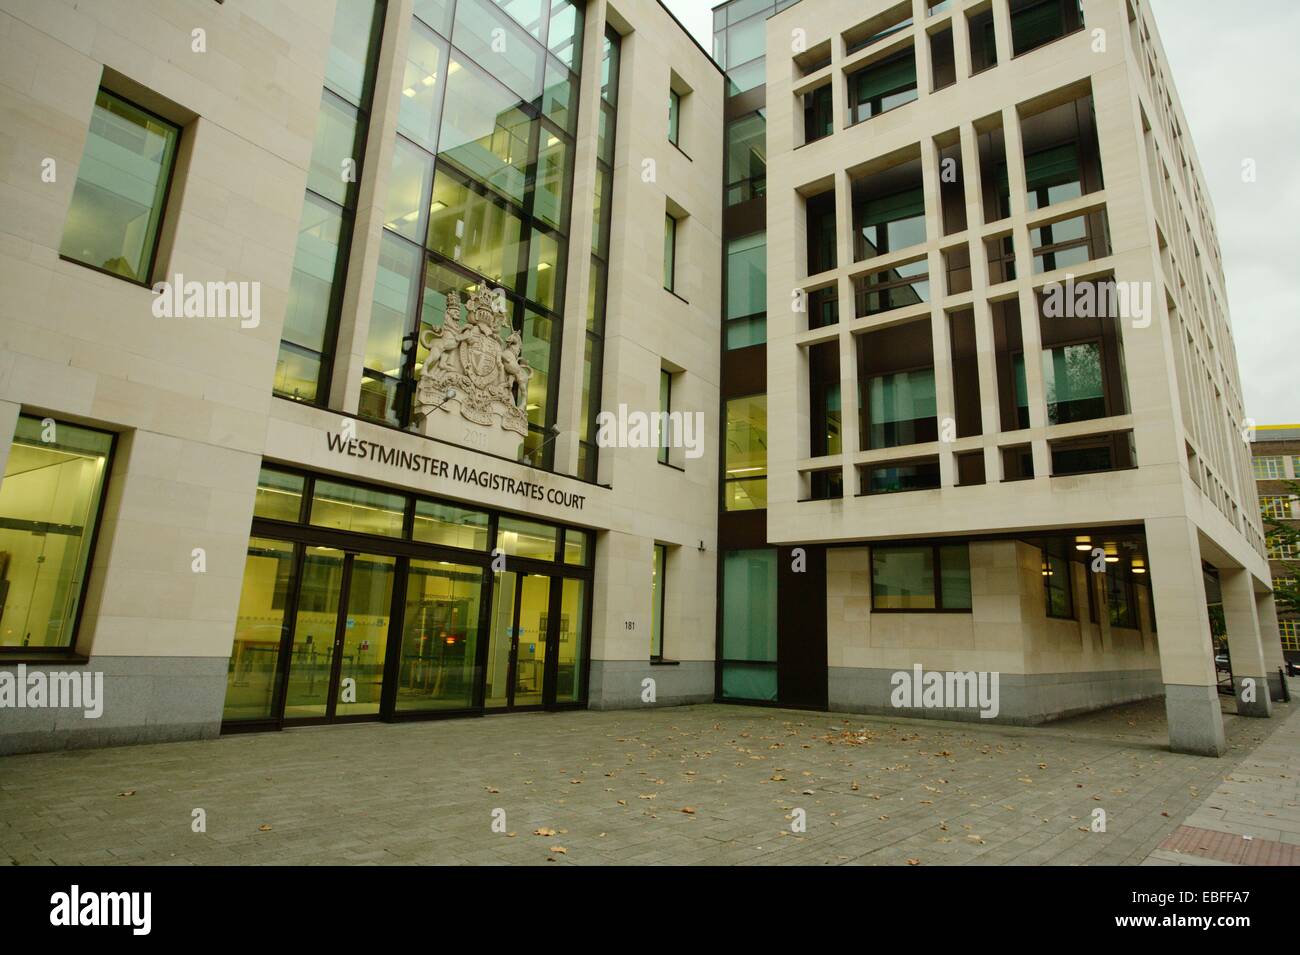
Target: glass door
(520, 622)
(340, 632)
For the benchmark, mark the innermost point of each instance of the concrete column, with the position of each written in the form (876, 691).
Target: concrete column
(1244, 649)
(1186, 651)
(1271, 640)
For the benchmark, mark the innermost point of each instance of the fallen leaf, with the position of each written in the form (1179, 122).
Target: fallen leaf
(913, 861)
(559, 849)
(543, 832)
(264, 827)
(688, 810)
(129, 792)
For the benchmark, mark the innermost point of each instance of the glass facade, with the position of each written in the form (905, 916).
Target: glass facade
(359, 602)
(117, 203)
(745, 460)
(749, 625)
(306, 355)
(50, 502)
(479, 193)
(921, 577)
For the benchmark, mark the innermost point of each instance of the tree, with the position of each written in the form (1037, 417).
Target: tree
(1285, 535)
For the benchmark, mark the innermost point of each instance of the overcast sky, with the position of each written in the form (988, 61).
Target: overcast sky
(1238, 75)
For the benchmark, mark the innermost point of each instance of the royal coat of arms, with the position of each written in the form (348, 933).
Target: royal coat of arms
(469, 368)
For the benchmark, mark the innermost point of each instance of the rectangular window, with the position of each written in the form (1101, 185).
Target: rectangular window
(818, 114)
(1035, 23)
(921, 577)
(279, 496)
(260, 624)
(117, 204)
(1053, 175)
(347, 507)
(749, 624)
(889, 223)
(449, 525)
(1057, 585)
(882, 86)
(1121, 601)
(903, 285)
(1268, 468)
(1275, 508)
(657, 582)
(670, 253)
(665, 410)
(822, 254)
(50, 505)
(943, 61)
(1072, 379)
(824, 307)
(920, 475)
(674, 116)
(983, 42)
(825, 425)
(518, 538)
(746, 290)
(901, 408)
(746, 159)
(745, 482)
(1070, 242)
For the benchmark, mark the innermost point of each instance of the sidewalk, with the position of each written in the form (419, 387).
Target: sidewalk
(1252, 817)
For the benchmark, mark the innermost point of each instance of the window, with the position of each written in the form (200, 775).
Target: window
(1108, 452)
(746, 158)
(665, 410)
(1268, 469)
(943, 62)
(1057, 581)
(824, 307)
(921, 577)
(899, 287)
(818, 114)
(745, 482)
(822, 255)
(882, 86)
(1053, 175)
(896, 478)
(670, 253)
(1289, 631)
(983, 42)
(50, 505)
(1035, 23)
(1283, 550)
(674, 117)
(1072, 379)
(824, 384)
(749, 624)
(117, 204)
(901, 408)
(1121, 601)
(1275, 507)
(889, 223)
(1069, 242)
(746, 290)
(657, 582)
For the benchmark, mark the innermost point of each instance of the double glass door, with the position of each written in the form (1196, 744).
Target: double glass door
(340, 635)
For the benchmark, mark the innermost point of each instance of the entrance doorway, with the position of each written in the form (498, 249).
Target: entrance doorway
(339, 636)
(521, 632)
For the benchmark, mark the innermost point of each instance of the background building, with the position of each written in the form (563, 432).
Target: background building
(1276, 462)
(230, 506)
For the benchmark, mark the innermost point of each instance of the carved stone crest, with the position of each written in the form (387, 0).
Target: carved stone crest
(471, 372)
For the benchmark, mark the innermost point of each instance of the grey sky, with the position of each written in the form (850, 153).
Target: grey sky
(1236, 72)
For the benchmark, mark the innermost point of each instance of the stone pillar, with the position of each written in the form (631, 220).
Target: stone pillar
(1186, 651)
(1244, 649)
(1271, 640)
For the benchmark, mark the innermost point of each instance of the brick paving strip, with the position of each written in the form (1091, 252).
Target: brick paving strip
(712, 784)
(1252, 817)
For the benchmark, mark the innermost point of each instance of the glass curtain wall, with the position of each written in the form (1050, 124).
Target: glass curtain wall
(594, 349)
(306, 354)
(478, 193)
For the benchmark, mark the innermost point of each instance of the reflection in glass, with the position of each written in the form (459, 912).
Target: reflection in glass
(117, 203)
(484, 132)
(396, 287)
(355, 25)
(279, 495)
(571, 650)
(577, 546)
(421, 101)
(311, 658)
(407, 185)
(530, 644)
(500, 642)
(450, 525)
(365, 635)
(749, 608)
(439, 636)
(259, 627)
(492, 40)
(746, 454)
(346, 507)
(336, 142)
(518, 538)
(49, 503)
(467, 227)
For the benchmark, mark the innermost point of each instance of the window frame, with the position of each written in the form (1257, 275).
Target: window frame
(935, 547)
(17, 654)
(1064, 556)
(659, 587)
(670, 253)
(151, 271)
